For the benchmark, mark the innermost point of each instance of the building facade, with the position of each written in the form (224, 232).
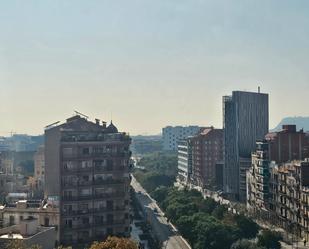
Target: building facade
(289, 196)
(172, 135)
(288, 144)
(245, 120)
(39, 167)
(87, 171)
(30, 233)
(184, 161)
(207, 151)
(45, 213)
(277, 147)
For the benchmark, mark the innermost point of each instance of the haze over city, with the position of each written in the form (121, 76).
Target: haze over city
(146, 64)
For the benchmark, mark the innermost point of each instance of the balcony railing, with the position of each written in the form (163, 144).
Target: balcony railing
(76, 170)
(108, 181)
(93, 211)
(101, 154)
(96, 223)
(77, 198)
(109, 223)
(108, 169)
(93, 196)
(109, 195)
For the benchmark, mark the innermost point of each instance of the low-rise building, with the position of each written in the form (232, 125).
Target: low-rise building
(30, 233)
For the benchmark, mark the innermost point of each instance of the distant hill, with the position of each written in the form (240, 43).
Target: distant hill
(300, 122)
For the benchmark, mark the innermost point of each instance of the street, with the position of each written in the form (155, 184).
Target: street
(164, 230)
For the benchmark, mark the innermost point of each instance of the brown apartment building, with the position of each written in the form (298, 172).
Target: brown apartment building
(288, 144)
(87, 173)
(207, 151)
(278, 181)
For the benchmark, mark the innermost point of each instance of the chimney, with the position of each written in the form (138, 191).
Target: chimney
(97, 121)
(259, 89)
(104, 124)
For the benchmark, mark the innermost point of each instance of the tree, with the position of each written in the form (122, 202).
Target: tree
(160, 162)
(115, 243)
(269, 239)
(160, 193)
(185, 225)
(245, 244)
(19, 244)
(151, 180)
(219, 211)
(247, 227)
(212, 234)
(208, 205)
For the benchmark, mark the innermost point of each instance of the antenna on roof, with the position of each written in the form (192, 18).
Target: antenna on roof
(51, 125)
(79, 113)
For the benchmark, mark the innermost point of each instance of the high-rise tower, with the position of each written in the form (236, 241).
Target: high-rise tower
(87, 171)
(245, 120)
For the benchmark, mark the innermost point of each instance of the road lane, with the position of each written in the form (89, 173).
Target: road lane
(165, 232)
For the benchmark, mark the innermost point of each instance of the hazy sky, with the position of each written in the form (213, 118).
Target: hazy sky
(149, 63)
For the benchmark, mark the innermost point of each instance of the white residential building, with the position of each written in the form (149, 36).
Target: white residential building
(173, 134)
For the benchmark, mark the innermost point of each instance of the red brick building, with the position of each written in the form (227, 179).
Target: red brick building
(207, 151)
(288, 144)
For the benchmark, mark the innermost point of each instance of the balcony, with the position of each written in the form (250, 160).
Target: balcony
(106, 209)
(96, 223)
(77, 184)
(95, 137)
(105, 169)
(77, 212)
(109, 195)
(92, 211)
(101, 154)
(109, 223)
(78, 226)
(77, 198)
(108, 181)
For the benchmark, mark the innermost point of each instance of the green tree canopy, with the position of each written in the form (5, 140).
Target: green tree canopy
(245, 244)
(269, 239)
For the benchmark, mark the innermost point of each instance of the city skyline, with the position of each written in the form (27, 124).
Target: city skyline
(148, 64)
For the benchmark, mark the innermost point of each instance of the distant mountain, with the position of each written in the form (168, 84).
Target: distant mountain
(300, 122)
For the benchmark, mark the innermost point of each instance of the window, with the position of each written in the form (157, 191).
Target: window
(46, 221)
(86, 164)
(68, 165)
(67, 151)
(110, 205)
(12, 220)
(68, 223)
(85, 192)
(86, 151)
(85, 220)
(109, 231)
